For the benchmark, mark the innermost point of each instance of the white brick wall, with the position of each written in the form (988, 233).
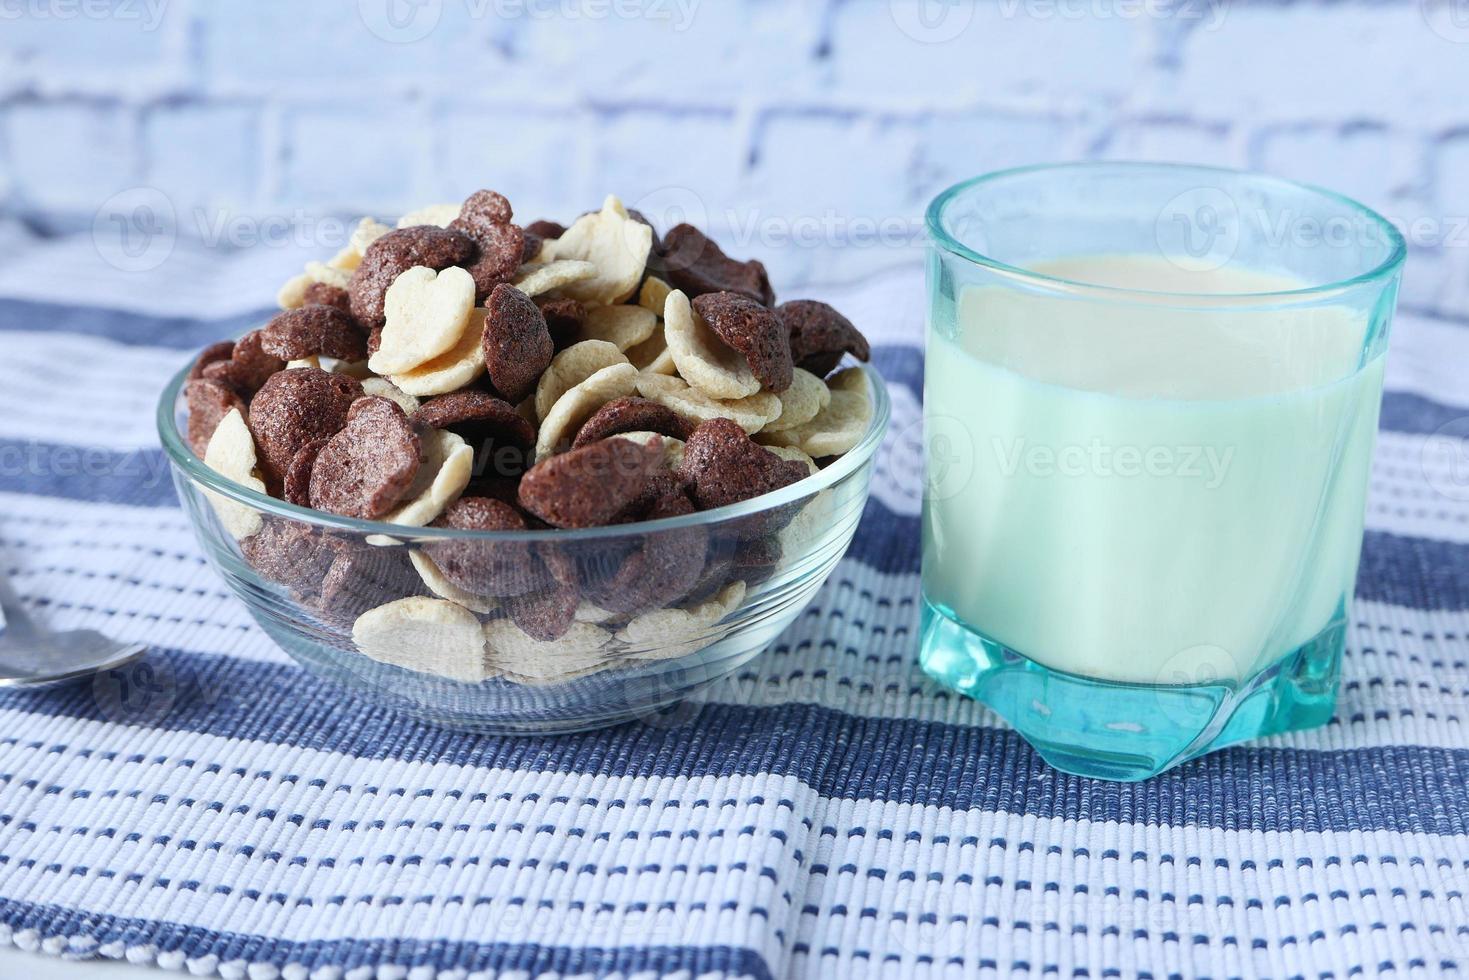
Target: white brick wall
(808, 132)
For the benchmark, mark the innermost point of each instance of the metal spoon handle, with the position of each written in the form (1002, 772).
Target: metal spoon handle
(18, 623)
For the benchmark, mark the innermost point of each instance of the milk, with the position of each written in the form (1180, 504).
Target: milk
(1128, 490)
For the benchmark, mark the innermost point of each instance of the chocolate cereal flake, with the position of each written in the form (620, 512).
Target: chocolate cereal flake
(485, 217)
(325, 294)
(662, 483)
(664, 568)
(295, 407)
(564, 319)
(518, 346)
(367, 467)
(486, 568)
(530, 246)
(631, 414)
(482, 209)
(546, 229)
(754, 331)
(820, 335)
(503, 440)
(691, 261)
(395, 253)
(220, 351)
(289, 553)
(248, 368)
(314, 330)
(296, 487)
(588, 487)
(724, 466)
(363, 577)
(209, 402)
(547, 612)
(501, 251)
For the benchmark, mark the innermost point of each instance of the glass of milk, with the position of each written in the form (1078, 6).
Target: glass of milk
(1150, 401)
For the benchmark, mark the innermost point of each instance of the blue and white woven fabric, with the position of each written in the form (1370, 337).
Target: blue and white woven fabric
(826, 813)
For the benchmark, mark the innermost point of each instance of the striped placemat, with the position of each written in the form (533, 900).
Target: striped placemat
(826, 812)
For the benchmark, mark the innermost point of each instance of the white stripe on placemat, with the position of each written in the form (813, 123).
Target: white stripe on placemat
(192, 281)
(82, 391)
(658, 868)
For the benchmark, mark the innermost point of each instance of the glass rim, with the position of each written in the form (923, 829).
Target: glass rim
(183, 459)
(1389, 266)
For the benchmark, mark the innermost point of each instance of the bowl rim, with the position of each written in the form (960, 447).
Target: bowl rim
(184, 461)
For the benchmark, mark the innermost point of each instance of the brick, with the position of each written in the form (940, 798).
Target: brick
(359, 159)
(291, 48)
(1450, 161)
(71, 157)
(1452, 297)
(803, 267)
(824, 183)
(825, 112)
(7, 182)
(1368, 62)
(203, 154)
(1427, 283)
(1444, 231)
(88, 47)
(680, 166)
(1173, 141)
(956, 147)
(681, 52)
(966, 53)
(536, 159)
(1372, 164)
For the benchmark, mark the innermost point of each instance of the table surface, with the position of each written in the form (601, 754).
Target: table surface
(827, 812)
(38, 966)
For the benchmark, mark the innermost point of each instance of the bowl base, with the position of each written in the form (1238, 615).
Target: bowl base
(644, 691)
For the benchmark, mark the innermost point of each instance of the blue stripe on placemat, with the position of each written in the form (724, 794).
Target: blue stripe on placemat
(125, 326)
(900, 364)
(1404, 412)
(1408, 789)
(137, 478)
(192, 941)
(1419, 573)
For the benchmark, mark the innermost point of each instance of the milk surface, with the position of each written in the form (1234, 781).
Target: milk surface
(1143, 493)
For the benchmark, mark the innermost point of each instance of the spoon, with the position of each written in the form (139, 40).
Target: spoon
(33, 657)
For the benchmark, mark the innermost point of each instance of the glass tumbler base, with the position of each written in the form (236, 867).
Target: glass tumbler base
(1120, 731)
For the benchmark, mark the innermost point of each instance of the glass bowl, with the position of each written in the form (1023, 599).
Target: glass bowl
(429, 648)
